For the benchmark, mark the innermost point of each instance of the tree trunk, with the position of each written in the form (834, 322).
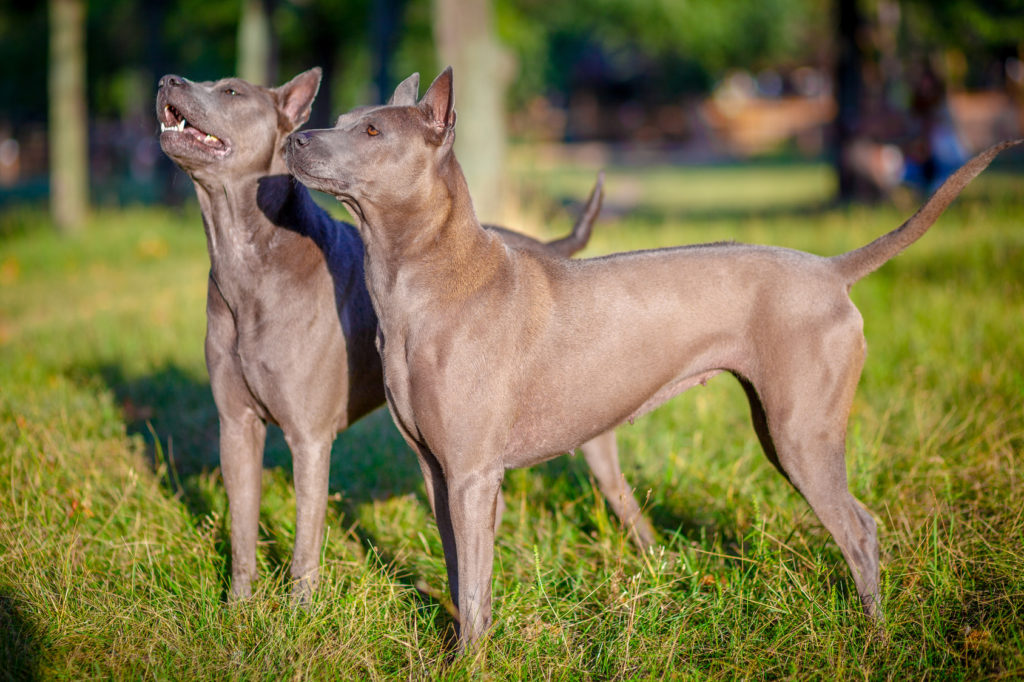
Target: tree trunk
(465, 38)
(256, 58)
(848, 89)
(384, 23)
(324, 49)
(68, 126)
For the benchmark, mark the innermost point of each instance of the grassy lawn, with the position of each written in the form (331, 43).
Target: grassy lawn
(113, 536)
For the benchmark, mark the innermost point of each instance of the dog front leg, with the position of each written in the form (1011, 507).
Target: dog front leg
(437, 495)
(241, 465)
(311, 460)
(472, 505)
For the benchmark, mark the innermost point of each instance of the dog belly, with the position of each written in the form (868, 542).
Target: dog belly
(560, 421)
(673, 389)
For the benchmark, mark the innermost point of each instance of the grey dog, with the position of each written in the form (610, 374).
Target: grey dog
(290, 328)
(524, 357)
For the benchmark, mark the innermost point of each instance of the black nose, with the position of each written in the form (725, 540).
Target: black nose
(299, 139)
(171, 81)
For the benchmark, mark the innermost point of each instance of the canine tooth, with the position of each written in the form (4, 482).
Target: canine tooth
(212, 138)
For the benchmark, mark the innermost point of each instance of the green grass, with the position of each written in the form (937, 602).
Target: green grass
(113, 536)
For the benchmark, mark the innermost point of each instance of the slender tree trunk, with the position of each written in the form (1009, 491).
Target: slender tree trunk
(465, 38)
(384, 23)
(256, 45)
(848, 90)
(324, 50)
(68, 126)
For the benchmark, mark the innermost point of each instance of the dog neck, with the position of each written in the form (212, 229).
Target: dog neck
(260, 223)
(430, 245)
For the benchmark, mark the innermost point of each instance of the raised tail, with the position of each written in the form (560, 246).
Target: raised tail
(853, 265)
(580, 235)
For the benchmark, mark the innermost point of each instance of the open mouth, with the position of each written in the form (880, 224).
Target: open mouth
(175, 122)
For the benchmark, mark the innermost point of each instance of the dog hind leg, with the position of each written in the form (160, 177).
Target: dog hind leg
(802, 428)
(602, 456)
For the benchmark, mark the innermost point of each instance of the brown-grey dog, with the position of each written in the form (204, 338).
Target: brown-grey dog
(290, 329)
(523, 357)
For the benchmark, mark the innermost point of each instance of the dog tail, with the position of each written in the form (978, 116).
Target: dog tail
(580, 235)
(853, 265)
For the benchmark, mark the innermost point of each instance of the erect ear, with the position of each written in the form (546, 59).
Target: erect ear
(438, 102)
(295, 98)
(407, 91)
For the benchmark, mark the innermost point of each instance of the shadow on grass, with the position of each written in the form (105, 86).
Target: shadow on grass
(568, 478)
(18, 645)
(173, 412)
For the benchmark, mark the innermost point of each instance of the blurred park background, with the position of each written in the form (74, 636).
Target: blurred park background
(812, 124)
(887, 92)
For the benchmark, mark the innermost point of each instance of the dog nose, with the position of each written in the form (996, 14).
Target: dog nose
(299, 139)
(171, 81)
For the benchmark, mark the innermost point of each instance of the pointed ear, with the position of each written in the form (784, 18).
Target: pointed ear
(438, 101)
(407, 92)
(295, 98)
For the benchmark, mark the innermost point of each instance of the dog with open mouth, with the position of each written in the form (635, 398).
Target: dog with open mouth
(290, 328)
(180, 138)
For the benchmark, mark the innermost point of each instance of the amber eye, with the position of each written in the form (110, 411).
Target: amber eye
(371, 131)
(230, 91)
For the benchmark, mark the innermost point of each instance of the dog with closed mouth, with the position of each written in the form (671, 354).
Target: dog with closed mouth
(522, 357)
(290, 327)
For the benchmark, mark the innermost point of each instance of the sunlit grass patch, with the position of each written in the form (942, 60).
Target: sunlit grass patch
(113, 519)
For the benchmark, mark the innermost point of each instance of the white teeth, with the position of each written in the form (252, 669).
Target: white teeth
(180, 126)
(211, 138)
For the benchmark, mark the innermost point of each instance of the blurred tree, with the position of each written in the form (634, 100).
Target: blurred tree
(385, 25)
(256, 55)
(23, 61)
(976, 26)
(849, 66)
(334, 35)
(465, 38)
(672, 48)
(68, 125)
(201, 37)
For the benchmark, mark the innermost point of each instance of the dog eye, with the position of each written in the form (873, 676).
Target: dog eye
(230, 91)
(371, 131)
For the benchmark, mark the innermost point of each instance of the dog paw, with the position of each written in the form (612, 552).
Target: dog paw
(302, 593)
(240, 591)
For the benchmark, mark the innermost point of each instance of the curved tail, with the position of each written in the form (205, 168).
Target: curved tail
(580, 235)
(853, 265)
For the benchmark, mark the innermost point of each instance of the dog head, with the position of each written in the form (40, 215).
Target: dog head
(382, 156)
(230, 126)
